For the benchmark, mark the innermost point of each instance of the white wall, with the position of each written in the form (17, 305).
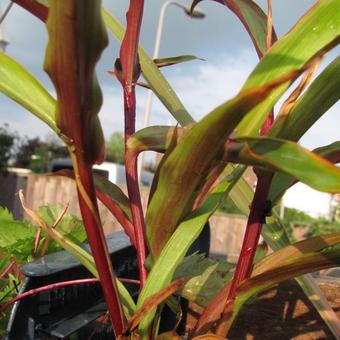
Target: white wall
(313, 202)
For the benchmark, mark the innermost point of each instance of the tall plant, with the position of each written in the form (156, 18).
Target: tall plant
(197, 171)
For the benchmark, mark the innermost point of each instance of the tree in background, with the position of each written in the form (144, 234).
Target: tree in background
(36, 154)
(7, 141)
(26, 148)
(115, 148)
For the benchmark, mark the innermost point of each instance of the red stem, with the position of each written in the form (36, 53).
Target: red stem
(7, 270)
(56, 286)
(119, 215)
(32, 6)
(255, 220)
(97, 241)
(132, 184)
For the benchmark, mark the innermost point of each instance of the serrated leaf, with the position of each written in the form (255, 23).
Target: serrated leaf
(206, 278)
(21, 86)
(14, 234)
(70, 226)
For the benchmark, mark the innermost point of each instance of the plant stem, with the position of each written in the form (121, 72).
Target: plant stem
(132, 184)
(56, 285)
(7, 270)
(35, 8)
(96, 238)
(253, 229)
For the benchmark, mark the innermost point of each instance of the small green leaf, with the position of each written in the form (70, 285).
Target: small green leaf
(206, 278)
(161, 62)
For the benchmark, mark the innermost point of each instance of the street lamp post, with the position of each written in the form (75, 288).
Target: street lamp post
(197, 14)
(3, 40)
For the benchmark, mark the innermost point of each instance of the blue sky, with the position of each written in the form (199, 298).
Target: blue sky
(219, 39)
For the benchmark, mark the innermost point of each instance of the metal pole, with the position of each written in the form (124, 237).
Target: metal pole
(148, 105)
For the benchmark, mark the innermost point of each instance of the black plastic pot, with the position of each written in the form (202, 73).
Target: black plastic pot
(71, 312)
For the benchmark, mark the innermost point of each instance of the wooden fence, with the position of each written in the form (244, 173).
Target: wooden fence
(227, 230)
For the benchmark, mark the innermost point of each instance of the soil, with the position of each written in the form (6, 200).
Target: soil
(281, 313)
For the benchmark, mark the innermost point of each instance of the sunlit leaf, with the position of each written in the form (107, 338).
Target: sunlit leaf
(318, 98)
(319, 29)
(289, 262)
(189, 163)
(281, 181)
(288, 157)
(275, 235)
(21, 86)
(181, 240)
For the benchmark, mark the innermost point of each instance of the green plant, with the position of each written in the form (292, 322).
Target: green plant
(196, 173)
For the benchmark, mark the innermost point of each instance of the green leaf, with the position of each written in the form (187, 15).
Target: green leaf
(78, 92)
(70, 226)
(180, 241)
(252, 17)
(318, 98)
(288, 157)
(161, 62)
(189, 163)
(315, 33)
(112, 197)
(21, 86)
(85, 258)
(154, 138)
(206, 278)
(275, 235)
(281, 181)
(16, 237)
(153, 76)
